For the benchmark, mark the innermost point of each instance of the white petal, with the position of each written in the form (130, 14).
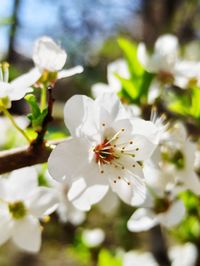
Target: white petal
(26, 80)
(147, 129)
(90, 196)
(93, 238)
(68, 159)
(43, 201)
(119, 67)
(47, 55)
(81, 116)
(192, 182)
(142, 220)
(143, 56)
(184, 255)
(174, 215)
(111, 103)
(141, 148)
(6, 226)
(99, 88)
(129, 186)
(5, 89)
(70, 72)
(27, 234)
(21, 183)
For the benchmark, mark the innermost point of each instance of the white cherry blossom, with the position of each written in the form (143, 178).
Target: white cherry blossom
(50, 57)
(93, 237)
(17, 88)
(118, 67)
(165, 212)
(184, 255)
(66, 210)
(136, 258)
(22, 204)
(106, 149)
(164, 57)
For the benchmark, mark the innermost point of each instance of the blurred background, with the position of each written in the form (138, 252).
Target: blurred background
(88, 30)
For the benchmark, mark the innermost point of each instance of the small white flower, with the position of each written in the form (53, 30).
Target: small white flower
(165, 213)
(118, 67)
(184, 255)
(66, 210)
(50, 57)
(164, 57)
(93, 237)
(136, 258)
(22, 203)
(17, 88)
(106, 148)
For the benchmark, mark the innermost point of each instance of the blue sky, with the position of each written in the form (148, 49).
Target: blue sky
(42, 17)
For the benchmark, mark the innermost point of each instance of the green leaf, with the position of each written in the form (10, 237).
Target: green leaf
(195, 103)
(32, 101)
(130, 52)
(106, 259)
(129, 87)
(36, 116)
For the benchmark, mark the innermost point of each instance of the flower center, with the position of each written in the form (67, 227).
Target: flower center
(104, 153)
(165, 77)
(114, 152)
(17, 209)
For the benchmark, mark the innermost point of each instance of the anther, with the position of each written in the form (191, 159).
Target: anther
(123, 167)
(102, 171)
(133, 165)
(115, 181)
(137, 149)
(131, 142)
(119, 177)
(122, 129)
(103, 124)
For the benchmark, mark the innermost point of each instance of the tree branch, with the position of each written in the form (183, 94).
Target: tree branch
(26, 156)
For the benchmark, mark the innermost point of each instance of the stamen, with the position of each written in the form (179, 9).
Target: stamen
(5, 67)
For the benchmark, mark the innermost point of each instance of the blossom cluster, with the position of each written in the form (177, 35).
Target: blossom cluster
(112, 154)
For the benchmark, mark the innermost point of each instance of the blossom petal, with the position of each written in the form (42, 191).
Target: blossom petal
(174, 215)
(129, 186)
(27, 234)
(143, 56)
(69, 72)
(146, 128)
(119, 67)
(192, 182)
(84, 121)
(43, 201)
(142, 220)
(99, 88)
(47, 55)
(6, 226)
(110, 102)
(26, 80)
(21, 183)
(91, 195)
(68, 159)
